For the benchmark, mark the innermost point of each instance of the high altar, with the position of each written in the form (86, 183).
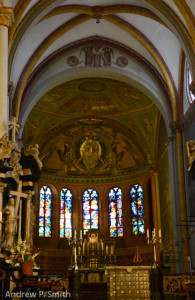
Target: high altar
(94, 267)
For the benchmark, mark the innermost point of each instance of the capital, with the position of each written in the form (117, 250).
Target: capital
(5, 20)
(6, 16)
(176, 127)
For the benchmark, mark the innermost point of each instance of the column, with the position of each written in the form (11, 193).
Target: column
(2, 186)
(5, 21)
(156, 209)
(176, 127)
(27, 232)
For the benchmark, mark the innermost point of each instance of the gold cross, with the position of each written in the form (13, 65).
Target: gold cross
(14, 126)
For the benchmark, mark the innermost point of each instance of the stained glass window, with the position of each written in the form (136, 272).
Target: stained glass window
(45, 212)
(115, 212)
(137, 209)
(90, 210)
(66, 213)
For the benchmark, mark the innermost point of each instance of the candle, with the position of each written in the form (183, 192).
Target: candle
(154, 233)
(75, 234)
(81, 234)
(148, 234)
(75, 255)
(159, 233)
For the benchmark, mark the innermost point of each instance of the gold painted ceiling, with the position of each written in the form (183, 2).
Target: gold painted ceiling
(93, 127)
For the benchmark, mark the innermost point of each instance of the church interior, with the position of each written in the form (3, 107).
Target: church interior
(97, 149)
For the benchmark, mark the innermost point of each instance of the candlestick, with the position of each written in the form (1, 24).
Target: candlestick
(154, 233)
(154, 240)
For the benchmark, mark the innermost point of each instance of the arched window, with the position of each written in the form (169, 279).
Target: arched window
(90, 210)
(137, 210)
(191, 97)
(45, 212)
(65, 213)
(115, 212)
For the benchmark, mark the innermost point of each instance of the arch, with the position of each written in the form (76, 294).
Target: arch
(115, 212)
(32, 98)
(45, 211)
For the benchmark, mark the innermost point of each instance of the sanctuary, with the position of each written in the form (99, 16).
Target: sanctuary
(97, 149)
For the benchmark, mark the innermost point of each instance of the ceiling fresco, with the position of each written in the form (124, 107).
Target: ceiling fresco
(94, 127)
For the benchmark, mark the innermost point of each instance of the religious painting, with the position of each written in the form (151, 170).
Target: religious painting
(45, 212)
(90, 153)
(115, 212)
(137, 209)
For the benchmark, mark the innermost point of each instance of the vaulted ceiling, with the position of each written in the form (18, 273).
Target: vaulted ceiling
(131, 74)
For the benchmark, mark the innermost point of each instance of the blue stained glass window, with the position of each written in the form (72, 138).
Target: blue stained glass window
(90, 210)
(137, 209)
(65, 213)
(115, 212)
(45, 212)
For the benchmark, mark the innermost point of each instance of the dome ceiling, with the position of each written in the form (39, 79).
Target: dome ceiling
(93, 127)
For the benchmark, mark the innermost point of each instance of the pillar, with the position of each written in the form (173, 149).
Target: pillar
(2, 186)
(177, 130)
(156, 209)
(5, 21)
(27, 232)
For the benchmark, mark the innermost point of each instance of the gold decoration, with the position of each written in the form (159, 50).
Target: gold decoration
(90, 151)
(191, 153)
(34, 151)
(192, 87)
(5, 20)
(172, 284)
(14, 164)
(14, 127)
(137, 258)
(5, 147)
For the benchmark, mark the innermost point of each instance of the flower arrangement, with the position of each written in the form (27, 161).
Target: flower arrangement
(21, 253)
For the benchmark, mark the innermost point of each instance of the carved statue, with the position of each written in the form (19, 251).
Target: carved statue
(34, 151)
(107, 56)
(14, 163)
(10, 224)
(5, 147)
(191, 153)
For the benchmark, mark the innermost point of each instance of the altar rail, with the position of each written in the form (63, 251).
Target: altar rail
(131, 283)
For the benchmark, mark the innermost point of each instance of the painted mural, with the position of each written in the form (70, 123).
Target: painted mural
(87, 150)
(121, 139)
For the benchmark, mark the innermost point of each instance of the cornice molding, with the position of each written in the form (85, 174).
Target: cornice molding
(143, 171)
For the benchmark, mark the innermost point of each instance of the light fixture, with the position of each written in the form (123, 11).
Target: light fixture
(98, 18)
